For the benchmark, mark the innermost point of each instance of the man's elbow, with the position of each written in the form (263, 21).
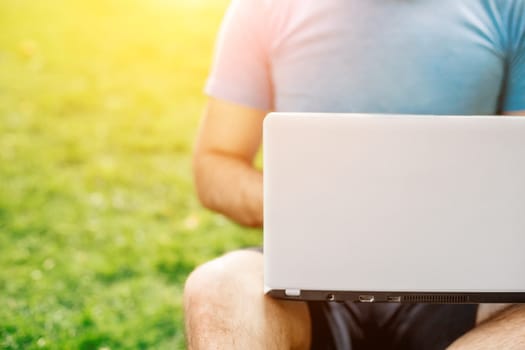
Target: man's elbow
(201, 182)
(203, 197)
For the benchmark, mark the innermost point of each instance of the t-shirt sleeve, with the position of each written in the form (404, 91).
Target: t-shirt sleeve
(240, 71)
(514, 99)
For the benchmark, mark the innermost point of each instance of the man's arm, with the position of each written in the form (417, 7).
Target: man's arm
(226, 180)
(518, 113)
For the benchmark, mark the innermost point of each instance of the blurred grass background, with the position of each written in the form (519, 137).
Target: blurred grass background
(99, 224)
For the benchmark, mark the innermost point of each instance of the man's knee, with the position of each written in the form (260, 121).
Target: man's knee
(216, 296)
(223, 277)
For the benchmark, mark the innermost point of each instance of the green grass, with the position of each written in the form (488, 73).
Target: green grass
(99, 224)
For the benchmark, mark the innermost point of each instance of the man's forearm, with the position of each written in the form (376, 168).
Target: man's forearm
(230, 186)
(506, 330)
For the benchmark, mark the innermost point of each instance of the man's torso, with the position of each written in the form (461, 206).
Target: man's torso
(420, 57)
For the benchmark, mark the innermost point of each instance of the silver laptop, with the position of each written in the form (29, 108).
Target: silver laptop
(393, 208)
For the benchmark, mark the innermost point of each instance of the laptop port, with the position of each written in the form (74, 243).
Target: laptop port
(395, 299)
(330, 297)
(366, 298)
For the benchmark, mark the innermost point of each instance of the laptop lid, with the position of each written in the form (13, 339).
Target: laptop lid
(394, 208)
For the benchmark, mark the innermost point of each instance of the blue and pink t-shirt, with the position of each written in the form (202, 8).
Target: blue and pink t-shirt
(372, 56)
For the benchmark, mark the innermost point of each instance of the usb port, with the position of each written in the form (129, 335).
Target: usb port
(393, 299)
(366, 298)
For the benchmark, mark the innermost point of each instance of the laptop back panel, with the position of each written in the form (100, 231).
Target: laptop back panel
(379, 207)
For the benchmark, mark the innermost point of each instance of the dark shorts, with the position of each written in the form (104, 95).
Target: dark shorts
(359, 326)
(388, 326)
